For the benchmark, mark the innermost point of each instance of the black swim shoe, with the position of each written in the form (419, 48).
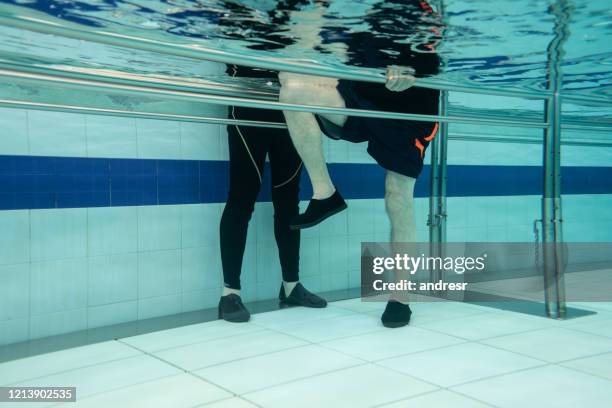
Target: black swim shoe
(232, 309)
(318, 210)
(396, 314)
(300, 296)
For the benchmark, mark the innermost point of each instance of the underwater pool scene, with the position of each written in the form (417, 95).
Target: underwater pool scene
(147, 148)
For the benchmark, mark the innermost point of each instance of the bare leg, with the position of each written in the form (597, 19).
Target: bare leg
(399, 203)
(304, 128)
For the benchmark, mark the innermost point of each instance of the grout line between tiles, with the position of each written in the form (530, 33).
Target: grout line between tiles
(193, 343)
(431, 392)
(177, 367)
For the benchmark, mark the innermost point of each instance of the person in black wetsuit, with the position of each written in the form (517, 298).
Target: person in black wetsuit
(248, 148)
(397, 145)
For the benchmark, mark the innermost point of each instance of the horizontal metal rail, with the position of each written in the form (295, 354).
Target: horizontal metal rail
(254, 103)
(11, 16)
(8, 103)
(473, 137)
(235, 88)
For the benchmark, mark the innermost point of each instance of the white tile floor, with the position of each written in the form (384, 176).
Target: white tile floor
(452, 355)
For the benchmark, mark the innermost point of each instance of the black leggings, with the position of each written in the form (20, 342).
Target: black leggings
(248, 147)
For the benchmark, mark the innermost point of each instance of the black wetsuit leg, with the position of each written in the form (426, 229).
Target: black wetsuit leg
(248, 147)
(286, 168)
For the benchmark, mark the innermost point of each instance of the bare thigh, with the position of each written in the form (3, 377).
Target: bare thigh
(312, 90)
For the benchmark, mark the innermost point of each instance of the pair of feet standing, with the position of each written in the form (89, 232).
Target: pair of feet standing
(232, 309)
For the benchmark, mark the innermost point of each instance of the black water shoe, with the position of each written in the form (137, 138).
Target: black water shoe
(300, 296)
(396, 314)
(318, 210)
(232, 309)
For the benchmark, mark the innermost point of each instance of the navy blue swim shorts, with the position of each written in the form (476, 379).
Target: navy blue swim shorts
(396, 145)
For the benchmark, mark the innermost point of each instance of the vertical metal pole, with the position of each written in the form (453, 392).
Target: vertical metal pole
(437, 198)
(552, 238)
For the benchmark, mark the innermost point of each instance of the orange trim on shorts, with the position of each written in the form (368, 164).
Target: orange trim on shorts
(433, 133)
(419, 146)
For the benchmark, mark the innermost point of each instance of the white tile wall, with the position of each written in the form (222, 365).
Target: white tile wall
(66, 269)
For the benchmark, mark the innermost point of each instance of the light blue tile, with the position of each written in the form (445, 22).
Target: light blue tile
(308, 361)
(159, 273)
(159, 306)
(189, 334)
(42, 365)
(585, 156)
(476, 234)
(354, 249)
(550, 386)
(441, 398)
(551, 344)
(111, 136)
(312, 282)
(158, 139)
(600, 365)
(201, 268)
(354, 278)
(116, 374)
(51, 324)
(14, 125)
(389, 345)
(58, 286)
(333, 328)
(200, 299)
(309, 257)
(204, 354)
(159, 227)
(334, 281)
(497, 234)
(267, 290)
(333, 255)
(360, 218)
(106, 315)
(461, 363)
(520, 233)
(261, 227)
(200, 224)
(112, 230)
(14, 331)
(338, 224)
(477, 216)
(268, 263)
(389, 385)
(15, 237)
(336, 151)
(56, 134)
(187, 391)
(58, 234)
(380, 217)
(200, 141)
(487, 325)
(456, 234)
(223, 146)
(112, 279)
(357, 153)
(14, 291)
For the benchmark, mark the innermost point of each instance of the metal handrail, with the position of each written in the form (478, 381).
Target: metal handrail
(255, 103)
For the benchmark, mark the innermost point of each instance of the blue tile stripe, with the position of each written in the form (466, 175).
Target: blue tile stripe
(31, 182)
